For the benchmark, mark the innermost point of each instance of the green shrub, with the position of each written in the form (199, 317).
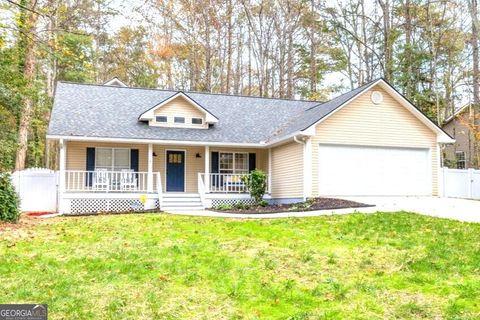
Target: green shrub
(9, 201)
(224, 206)
(241, 206)
(263, 203)
(256, 183)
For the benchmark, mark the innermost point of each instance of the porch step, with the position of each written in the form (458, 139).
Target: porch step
(181, 202)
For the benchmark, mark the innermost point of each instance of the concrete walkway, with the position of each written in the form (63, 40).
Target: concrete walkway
(449, 208)
(457, 209)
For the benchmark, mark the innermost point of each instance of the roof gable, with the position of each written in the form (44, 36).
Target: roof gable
(150, 114)
(306, 123)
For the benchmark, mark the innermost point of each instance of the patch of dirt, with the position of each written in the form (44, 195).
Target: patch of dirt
(22, 228)
(309, 205)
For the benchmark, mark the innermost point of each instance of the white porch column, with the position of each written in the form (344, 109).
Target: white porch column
(207, 169)
(150, 168)
(61, 181)
(270, 170)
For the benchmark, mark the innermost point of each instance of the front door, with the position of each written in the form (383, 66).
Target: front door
(175, 171)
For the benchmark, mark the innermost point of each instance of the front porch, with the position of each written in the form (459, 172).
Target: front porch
(149, 177)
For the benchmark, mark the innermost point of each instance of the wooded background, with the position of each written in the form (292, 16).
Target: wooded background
(272, 48)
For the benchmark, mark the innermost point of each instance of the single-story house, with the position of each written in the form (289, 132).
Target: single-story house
(122, 148)
(461, 154)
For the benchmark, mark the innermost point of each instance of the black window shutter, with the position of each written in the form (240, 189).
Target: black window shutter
(134, 159)
(214, 162)
(214, 168)
(252, 161)
(90, 166)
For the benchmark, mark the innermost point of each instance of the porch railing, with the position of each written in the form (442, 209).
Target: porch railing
(109, 181)
(225, 183)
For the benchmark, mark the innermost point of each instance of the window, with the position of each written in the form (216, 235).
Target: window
(236, 163)
(179, 119)
(161, 118)
(197, 121)
(461, 161)
(112, 159)
(175, 158)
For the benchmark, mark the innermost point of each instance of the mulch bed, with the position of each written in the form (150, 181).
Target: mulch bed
(311, 205)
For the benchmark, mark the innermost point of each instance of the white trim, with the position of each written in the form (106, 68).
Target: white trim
(150, 168)
(219, 195)
(184, 169)
(150, 114)
(207, 169)
(61, 185)
(102, 195)
(163, 142)
(115, 82)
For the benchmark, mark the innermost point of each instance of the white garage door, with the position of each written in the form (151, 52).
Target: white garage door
(376, 171)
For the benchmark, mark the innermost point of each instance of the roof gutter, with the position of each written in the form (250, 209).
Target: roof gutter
(165, 142)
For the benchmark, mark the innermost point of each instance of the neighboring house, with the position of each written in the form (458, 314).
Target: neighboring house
(125, 148)
(460, 155)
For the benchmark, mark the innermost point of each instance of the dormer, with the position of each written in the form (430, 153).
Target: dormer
(179, 111)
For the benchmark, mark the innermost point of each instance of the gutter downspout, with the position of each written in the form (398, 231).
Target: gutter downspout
(307, 166)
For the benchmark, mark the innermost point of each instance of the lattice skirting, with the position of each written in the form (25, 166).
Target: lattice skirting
(217, 202)
(84, 205)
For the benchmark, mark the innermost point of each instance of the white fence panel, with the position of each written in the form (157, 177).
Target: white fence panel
(461, 183)
(37, 188)
(476, 184)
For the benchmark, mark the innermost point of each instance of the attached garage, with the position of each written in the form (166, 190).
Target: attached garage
(374, 144)
(373, 171)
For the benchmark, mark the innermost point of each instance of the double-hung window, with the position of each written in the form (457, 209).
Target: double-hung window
(233, 162)
(112, 159)
(461, 160)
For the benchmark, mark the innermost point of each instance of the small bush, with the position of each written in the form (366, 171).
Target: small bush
(263, 203)
(241, 206)
(256, 183)
(224, 206)
(9, 201)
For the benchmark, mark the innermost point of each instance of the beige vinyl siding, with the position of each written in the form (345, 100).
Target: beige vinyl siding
(362, 122)
(287, 171)
(179, 107)
(77, 153)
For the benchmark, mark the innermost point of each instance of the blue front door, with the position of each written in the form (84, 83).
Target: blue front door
(175, 171)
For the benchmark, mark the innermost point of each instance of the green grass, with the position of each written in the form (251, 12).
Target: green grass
(380, 266)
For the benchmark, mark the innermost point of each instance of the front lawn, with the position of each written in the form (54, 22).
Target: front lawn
(146, 266)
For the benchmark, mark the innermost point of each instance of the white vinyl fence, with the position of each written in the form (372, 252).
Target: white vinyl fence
(461, 183)
(37, 188)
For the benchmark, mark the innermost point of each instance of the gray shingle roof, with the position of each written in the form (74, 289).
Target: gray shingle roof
(112, 112)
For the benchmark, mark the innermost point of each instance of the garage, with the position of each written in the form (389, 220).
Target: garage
(373, 171)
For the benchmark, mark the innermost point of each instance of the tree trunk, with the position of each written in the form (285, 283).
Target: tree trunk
(388, 45)
(28, 73)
